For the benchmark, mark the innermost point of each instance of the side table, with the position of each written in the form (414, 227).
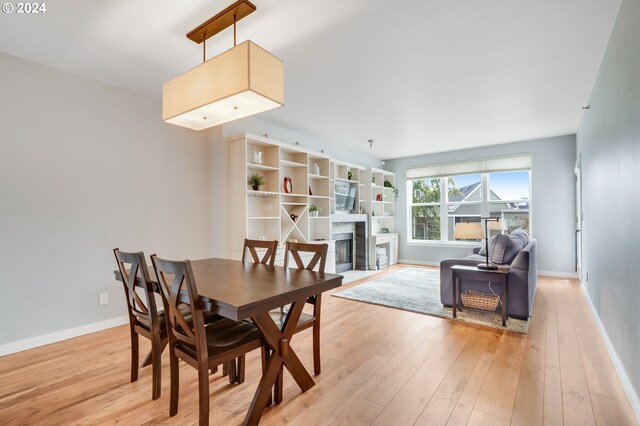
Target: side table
(473, 273)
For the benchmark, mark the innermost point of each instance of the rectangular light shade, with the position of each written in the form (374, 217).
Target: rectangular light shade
(468, 231)
(240, 82)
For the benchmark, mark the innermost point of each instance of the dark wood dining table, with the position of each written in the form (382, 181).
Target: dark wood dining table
(240, 291)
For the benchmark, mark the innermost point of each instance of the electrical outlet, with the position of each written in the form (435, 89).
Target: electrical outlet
(104, 299)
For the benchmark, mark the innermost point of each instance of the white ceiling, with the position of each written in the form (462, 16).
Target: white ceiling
(418, 77)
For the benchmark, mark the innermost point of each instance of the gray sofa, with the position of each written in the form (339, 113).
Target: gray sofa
(522, 279)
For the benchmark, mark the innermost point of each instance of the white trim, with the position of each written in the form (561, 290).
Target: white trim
(558, 274)
(632, 396)
(418, 262)
(57, 336)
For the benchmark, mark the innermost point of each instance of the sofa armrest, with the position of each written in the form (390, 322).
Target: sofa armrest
(476, 250)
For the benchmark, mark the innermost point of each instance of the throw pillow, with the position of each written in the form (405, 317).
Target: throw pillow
(506, 248)
(518, 239)
(482, 251)
(498, 248)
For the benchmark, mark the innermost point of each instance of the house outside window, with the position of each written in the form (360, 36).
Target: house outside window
(493, 187)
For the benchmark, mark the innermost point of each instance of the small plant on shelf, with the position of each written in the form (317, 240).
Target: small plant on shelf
(314, 210)
(349, 174)
(256, 181)
(388, 184)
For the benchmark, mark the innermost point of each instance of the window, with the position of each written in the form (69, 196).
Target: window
(439, 201)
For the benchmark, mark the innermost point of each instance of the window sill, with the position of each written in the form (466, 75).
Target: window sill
(452, 244)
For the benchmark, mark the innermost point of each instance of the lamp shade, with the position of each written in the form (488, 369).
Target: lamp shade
(497, 225)
(468, 231)
(243, 81)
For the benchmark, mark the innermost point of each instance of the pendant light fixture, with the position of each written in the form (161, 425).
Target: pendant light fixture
(243, 81)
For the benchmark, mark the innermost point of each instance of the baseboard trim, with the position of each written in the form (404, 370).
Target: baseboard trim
(558, 274)
(57, 336)
(632, 396)
(418, 262)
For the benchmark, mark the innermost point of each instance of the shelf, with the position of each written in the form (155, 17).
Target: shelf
(292, 163)
(319, 196)
(293, 195)
(318, 217)
(294, 204)
(375, 202)
(252, 193)
(261, 167)
(318, 177)
(263, 217)
(346, 180)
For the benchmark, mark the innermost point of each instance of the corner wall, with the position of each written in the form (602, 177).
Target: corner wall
(553, 201)
(86, 167)
(608, 143)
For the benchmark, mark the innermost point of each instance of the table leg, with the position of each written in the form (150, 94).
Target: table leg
(282, 355)
(454, 304)
(503, 301)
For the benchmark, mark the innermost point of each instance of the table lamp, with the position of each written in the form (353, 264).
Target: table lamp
(494, 223)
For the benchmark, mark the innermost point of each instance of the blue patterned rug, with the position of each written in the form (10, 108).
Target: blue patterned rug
(418, 290)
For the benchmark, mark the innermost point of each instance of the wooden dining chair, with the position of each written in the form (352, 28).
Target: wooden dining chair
(293, 250)
(201, 346)
(144, 318)
(269, 256)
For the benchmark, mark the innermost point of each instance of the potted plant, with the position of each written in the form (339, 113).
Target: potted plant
(256, 181)
(388, 184)
(349, 174)
(313, 210)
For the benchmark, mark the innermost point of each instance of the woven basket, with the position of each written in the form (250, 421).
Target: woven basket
(475, 299)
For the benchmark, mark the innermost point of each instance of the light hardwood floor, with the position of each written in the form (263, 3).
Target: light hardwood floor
(380, 366)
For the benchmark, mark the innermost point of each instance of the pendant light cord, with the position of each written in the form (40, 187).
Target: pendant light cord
(204, 47)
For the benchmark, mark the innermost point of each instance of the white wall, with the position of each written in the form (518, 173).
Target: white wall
(86, 167)
(553, 196)
(609, 146)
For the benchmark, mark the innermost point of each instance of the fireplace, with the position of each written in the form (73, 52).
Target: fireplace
(344, 252)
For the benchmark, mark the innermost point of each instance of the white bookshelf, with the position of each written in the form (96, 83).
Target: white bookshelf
(379, 202)
(267, 213)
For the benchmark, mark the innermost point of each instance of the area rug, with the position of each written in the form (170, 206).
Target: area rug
(418, 290)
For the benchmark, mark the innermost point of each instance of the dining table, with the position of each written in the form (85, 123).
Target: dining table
(240, 291)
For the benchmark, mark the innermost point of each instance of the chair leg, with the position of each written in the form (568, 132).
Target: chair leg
(316, 347)
(241, 365)
(156, 351)
(277, 398)
(233, 372)
(225, 369)
(265, 351)
(203, 393)
(134, 355)
(213, 370)
(175, 382)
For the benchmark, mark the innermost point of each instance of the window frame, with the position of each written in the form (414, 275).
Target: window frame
(485, 208)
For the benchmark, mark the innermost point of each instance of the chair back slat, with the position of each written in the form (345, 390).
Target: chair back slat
(269, 256)
(185, 318)
(134, 272)
(294, 249)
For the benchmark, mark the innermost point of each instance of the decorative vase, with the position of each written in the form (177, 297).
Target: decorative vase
(313, 214)
(256, 187)
(257, 157)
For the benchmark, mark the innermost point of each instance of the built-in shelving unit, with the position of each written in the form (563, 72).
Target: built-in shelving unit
(275, 211)
(379, 202)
